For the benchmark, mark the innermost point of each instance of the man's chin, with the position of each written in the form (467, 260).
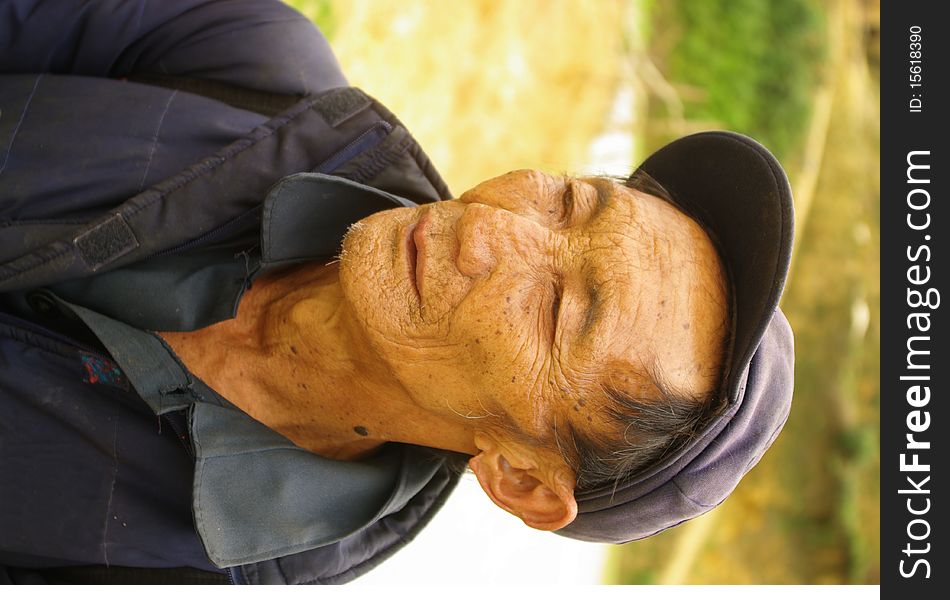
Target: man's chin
(369, 275)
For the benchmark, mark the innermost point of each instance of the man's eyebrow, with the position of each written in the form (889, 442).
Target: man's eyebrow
(605, 191)
(594, 299)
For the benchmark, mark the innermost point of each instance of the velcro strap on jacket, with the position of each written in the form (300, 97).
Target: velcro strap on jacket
(177, 210)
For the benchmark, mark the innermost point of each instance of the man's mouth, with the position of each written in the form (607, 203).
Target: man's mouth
(415, 253)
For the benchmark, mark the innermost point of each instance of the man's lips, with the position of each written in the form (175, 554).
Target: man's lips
(416, 252)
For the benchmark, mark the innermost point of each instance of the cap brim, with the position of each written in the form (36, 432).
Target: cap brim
(738, 191)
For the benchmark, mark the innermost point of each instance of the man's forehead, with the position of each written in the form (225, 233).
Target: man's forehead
(658, 295)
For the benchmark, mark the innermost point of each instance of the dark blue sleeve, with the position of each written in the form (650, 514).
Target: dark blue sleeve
(258, 44)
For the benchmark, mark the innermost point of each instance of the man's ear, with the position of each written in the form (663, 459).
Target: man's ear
(533, 484)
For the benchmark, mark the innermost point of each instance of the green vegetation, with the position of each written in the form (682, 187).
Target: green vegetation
(320, 12)
(809, 512)
(746, 65)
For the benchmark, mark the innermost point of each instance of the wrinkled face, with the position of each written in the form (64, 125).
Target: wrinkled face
(523, 297)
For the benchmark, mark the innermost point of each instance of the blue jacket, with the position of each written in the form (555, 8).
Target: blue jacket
(140, 145)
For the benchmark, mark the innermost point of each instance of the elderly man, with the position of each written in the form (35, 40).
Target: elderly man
(194, 389)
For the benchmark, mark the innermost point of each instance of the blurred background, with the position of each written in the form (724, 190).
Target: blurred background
(592, 87)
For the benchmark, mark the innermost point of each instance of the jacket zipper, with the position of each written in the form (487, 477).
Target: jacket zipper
(363, 142)
(217, 232)
(52, 335)
(235, 577)
(178, 434)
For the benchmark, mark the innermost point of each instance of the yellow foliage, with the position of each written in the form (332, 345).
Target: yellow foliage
(487, 86)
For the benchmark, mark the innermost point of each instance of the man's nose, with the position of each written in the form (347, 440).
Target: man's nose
(491, 237)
